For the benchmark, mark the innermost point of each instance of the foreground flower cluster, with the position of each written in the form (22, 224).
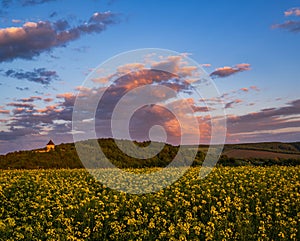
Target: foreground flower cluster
(242, 203)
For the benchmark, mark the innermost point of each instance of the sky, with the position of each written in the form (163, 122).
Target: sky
(250, 49)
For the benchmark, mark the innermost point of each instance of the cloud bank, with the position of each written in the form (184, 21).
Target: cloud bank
(34, 38)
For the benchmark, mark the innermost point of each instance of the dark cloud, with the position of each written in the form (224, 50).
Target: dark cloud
(15, 132)
(30, 99)
(231, 103)
(34, 2)
(22, 89)
(68, 99)
(40, 75)
(61, 25)
(21, 105)
(148, 116)
(8, 3)
(33, 38)
(227, 71)
(53, 14)
(266, 120)
(291, 26)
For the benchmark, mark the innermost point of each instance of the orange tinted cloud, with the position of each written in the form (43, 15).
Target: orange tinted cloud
(67, 95)
(48, 108)
(245, 89)
(227, 71)
(4, 111)
(127, 68)
(48, 99)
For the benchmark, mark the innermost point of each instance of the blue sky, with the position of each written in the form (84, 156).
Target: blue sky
(262, 34)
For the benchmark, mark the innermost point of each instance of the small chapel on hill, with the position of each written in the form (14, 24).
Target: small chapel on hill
(50, 146)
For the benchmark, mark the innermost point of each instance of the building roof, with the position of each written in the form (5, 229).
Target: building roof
(50, 143)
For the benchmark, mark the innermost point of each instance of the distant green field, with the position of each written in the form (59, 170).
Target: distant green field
(256, 153)
(277, 147)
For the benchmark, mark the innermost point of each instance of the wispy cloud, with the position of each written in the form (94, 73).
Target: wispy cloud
(227, 71)
(290, 25)
(34, 38)
(206, 65)
(16, 21)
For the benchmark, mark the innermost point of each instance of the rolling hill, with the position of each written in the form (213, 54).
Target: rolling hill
(65, 156)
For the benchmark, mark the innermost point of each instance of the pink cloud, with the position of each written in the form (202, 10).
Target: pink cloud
(292, 11)
(254, 88)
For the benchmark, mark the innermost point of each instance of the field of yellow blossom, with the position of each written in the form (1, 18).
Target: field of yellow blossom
(231, 203)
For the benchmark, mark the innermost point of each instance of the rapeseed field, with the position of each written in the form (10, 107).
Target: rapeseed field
(231, 203)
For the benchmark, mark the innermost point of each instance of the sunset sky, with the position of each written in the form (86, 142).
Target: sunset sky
(249, 48)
